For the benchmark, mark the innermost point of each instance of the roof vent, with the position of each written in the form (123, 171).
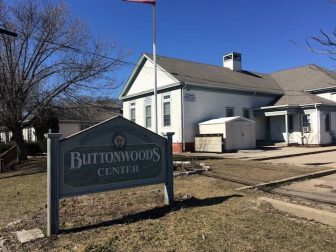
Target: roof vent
(232, 61)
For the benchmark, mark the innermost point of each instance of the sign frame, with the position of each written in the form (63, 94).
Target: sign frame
(58, 149)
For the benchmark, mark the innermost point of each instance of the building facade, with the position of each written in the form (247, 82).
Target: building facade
(295, 106)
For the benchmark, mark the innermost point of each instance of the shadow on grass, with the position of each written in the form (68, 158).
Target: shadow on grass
(319, 163)
(155, 213)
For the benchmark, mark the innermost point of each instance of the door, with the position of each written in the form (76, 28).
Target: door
(237, 135)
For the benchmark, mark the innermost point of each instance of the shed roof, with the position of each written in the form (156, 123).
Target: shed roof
(226, 119)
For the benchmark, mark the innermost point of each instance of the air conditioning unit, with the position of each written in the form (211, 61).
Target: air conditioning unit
(305, 129)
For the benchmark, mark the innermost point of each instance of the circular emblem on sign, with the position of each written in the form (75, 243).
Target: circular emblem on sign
(119, 140)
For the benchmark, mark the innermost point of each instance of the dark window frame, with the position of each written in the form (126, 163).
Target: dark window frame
(248, 112)
(327, 122)
(227, 111)
(290, 122)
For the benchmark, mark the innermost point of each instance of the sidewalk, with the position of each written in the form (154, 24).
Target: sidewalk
(262, 155)
(320, 189)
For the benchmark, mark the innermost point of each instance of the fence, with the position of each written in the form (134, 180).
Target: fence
(8, 159)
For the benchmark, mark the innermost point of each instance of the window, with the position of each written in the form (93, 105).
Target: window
(7, 137)
(166, 109)
(290, 123)
(229, 112)
(305, 119)
(148, 115)
(132, 114)
(327, 122)
(246, 113)
(30, 134)
(268, 123)
(166, 113)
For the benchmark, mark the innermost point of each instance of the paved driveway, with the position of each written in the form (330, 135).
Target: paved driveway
(321, 189)
(327, 159)
(319, 156)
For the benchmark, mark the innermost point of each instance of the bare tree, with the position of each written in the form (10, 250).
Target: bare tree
(324, 43)
(52, 58)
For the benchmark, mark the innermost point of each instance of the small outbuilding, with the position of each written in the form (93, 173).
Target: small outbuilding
(226, 134)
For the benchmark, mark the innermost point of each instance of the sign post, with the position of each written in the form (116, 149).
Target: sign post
(111, 155)
(53, 182)
(169, 184)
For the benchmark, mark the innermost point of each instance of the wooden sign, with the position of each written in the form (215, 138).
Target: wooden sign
(114, 154)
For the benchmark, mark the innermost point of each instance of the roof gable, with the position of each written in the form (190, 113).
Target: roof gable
(142, 78)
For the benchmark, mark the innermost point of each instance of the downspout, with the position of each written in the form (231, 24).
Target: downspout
(182, 117)
(318, 126)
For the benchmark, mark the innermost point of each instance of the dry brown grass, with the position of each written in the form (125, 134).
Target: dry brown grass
(208, 216)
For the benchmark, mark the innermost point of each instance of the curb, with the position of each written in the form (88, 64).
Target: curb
(291, 179)
(308, 213)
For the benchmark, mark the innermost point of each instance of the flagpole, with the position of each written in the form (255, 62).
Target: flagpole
(155, 70)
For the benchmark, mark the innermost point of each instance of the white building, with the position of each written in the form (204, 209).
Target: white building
(70, 121)
(296, 106)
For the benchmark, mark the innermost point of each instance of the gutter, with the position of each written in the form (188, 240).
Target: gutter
(318, 118)
(292, 106)
(150, 91)
(182, 116)
(247, 90)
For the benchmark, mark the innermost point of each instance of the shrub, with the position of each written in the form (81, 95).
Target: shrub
(36, 148)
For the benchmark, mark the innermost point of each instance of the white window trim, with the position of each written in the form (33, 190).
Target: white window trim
(308, 115)
(132, 106)
(163, 101)
(151, 115)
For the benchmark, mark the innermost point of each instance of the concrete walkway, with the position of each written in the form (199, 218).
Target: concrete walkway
(265, 155)
(320, 189)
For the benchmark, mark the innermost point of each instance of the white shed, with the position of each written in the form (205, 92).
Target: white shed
(238, 132)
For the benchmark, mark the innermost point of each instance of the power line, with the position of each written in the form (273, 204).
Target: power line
(131, 64)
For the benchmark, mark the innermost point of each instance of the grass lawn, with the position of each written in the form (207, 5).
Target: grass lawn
(208, 216)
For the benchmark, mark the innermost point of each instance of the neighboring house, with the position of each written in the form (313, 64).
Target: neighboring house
(294, 106)
(70, 121)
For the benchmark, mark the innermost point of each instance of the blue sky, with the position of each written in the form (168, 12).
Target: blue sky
(204, 30)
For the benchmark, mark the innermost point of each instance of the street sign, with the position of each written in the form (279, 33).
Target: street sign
(111, 155)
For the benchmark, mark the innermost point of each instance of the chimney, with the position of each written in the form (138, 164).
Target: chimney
(232, 61)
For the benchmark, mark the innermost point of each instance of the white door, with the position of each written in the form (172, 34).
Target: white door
(246, 135)
(237, 135)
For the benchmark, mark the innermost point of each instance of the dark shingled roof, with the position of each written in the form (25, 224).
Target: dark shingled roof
(94, 113)
(289, 85)
(295, 81)
(217, 76)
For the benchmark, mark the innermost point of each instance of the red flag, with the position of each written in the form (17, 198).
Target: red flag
(142, 1)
